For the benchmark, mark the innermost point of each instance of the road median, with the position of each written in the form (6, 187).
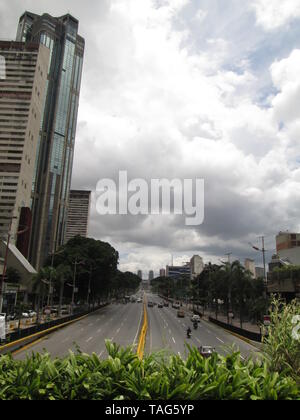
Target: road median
(143, 333)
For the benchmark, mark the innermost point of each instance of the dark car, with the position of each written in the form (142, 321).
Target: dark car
(206, 351)
(150, 304)
(166, 304)
(160, 305)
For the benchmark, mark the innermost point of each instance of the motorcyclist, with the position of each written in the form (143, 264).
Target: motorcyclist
(188, 332)
(195, 325)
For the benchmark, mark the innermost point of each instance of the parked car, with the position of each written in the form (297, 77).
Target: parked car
(195, 318)
(206, 351)
(180, 313)
(176, 306)
(11, 317)
(139, 300)
(160, 305)
(166, 304)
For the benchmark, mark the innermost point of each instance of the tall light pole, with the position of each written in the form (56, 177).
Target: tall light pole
(74, 281)
(263, 251)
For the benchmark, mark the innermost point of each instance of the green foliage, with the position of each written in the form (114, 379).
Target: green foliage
(158, 377)
(281, 349)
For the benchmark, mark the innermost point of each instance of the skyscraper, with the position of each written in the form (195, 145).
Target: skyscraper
(53, 171)
(78, 214)
(22, 93)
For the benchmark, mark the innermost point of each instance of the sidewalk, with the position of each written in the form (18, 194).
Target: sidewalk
(235, 322)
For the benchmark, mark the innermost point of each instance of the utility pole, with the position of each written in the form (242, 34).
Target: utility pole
(229, 286)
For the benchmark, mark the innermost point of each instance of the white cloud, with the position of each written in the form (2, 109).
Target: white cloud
(272, 14)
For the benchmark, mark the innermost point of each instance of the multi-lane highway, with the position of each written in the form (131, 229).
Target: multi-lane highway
(167, 331)
(121, 324)
(117, 322)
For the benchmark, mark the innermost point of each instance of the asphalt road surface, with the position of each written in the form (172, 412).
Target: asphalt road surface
(121, 324)
(117, 322)
(167, 331)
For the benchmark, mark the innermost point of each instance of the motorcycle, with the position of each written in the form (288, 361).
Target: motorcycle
(188, 334)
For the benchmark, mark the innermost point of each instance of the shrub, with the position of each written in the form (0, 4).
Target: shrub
(281, 349)
(158, 376)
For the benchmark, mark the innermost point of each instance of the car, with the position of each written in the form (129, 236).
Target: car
(150, 305)
(166, 304)
(195, 318)
(206, 351)
(11, 317)
(139, 300)
(180, 313)
(176, 306)
(160, 305)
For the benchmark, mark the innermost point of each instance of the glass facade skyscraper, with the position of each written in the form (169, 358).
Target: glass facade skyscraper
(52, 180)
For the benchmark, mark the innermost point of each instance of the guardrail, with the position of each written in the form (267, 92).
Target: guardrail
(142, 339)
(21, 338)
(250, 335)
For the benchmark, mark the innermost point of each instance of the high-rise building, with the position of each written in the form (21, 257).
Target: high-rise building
(288, 247)
(52, 180)
(140, 274)
(197, 266)
(151, 275)
(162, 272)
(250, 266)
(78, 214)
(22, 92)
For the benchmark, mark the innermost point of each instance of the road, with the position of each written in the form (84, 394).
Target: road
(121, 324)
(117, 322)
(167, 331)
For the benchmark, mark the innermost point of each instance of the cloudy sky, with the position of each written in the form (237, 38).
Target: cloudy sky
(188, 89)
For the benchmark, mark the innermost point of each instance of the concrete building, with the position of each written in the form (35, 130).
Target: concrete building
(197, 266)
(52, 180)
(22, 93)
(250, 266)
(177, 271)
(78, 214)
(162, 272)
(288, 247)
(259, 272)
(140, 274)
(151, 275)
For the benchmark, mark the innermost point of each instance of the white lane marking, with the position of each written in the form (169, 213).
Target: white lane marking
(118, 330)
(243, 358)
(209, 332)
(99, 355)
(179, 354)
(90, 325)
(198, 340)
(174, 340)
(99, 331)
(219, 339)
(170, 331)
(89, 339)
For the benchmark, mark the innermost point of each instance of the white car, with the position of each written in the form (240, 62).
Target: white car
(195, 318)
